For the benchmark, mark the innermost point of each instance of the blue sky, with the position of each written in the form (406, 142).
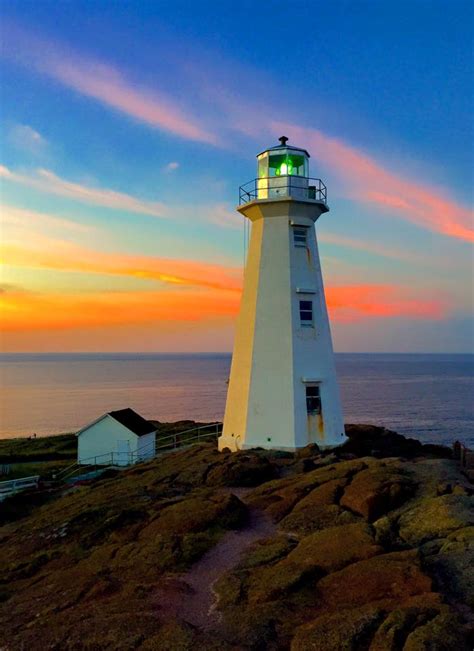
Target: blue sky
(167, 104)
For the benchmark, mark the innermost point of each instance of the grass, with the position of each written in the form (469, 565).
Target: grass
(47, 454)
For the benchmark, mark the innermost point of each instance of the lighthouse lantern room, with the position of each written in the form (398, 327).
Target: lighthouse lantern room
(283, 392)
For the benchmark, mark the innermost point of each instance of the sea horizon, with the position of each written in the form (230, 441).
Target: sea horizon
(423, 395)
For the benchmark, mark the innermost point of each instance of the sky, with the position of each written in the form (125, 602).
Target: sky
(128, 127)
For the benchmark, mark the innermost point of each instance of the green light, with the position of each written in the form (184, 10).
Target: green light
(285, 168)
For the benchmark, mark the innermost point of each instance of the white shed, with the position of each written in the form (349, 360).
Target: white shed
(120, 438)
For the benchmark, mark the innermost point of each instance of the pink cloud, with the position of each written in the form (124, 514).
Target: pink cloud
(47, 181)
(368, 181)
(102, 82)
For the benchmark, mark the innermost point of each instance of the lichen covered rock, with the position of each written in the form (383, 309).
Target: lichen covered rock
(436, 517)
(375, 491)
(393, 577)
(347, 631)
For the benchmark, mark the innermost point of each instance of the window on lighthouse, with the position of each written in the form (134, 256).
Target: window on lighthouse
(306, 313)
(313, 399)
(299, 237)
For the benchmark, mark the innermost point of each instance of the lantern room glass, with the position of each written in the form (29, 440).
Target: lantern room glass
(281, 172)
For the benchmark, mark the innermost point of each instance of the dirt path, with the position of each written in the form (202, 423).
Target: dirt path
(190, 596)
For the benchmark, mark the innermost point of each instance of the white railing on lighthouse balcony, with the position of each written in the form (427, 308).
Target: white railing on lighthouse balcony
(302, 188)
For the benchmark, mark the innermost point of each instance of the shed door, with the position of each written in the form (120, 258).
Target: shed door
(123, 453)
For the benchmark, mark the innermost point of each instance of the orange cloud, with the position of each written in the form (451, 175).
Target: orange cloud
(30, 312)
(65, 256)
(370, 182)
(354, 302)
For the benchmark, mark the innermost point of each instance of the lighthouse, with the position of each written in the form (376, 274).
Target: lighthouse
(283, 392)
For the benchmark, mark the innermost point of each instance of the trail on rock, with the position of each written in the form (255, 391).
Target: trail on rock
(190, 597)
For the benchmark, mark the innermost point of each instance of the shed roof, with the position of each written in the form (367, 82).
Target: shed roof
(133, 421)
(129, 419)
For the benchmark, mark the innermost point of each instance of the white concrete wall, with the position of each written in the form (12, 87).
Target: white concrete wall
(273, 354)
(101, 439)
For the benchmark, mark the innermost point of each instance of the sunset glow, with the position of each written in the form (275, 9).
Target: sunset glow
(124, 146)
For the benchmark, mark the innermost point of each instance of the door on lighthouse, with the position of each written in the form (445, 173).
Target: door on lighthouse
(314, 413)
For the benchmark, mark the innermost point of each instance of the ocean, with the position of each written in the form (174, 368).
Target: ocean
(429, 397)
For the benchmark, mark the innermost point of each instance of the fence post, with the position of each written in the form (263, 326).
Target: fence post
(175, 441)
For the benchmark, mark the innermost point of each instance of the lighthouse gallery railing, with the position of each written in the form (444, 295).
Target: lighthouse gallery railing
(276, 187)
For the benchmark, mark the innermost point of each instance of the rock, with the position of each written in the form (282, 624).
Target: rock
(276, 581)
(436, 517)
(392, 633)
(267, 551)
(197, 513)
(347, 631)
(334, 548)
(393, 577)
(377, 490)
(301, 466)
(242, 469)
(311, 450)
(318, 510)
(254, 628)
(280, 496)
(453, 565)
(368, 439)
(443, 633)
(180, 636)
(328, 493)
(316, 518)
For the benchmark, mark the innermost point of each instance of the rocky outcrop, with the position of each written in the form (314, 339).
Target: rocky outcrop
(255, 550)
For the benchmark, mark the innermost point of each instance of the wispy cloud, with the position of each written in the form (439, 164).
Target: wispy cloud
(358, 301)
(374, 248)
(348, 302)
(47, 181)
(28, 219)
(49, 253)
(103, 83)
(171, 167)
(368, 181)
(29, 311)
(24, 137)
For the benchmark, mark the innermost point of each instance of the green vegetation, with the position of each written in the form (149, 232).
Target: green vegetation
(47, 455)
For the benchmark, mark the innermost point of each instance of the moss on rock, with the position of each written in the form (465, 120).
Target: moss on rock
(375, 491)
(395, 577)
(334, 548)
(340, 631)
(436, 517)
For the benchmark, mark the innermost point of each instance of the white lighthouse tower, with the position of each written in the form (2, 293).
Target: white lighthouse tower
(283, 391)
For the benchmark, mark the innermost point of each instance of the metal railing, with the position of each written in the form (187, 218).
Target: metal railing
(303, 188)
(13, 486)
(161, 445)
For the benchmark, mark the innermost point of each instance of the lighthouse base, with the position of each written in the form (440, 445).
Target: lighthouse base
(234, 445)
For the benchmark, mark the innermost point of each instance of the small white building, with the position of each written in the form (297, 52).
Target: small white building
(119, 438)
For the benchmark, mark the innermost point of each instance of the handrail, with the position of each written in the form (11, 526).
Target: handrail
(305, 188)
(15, 485)
(85, 462)
(165, 444)
(175, 441)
